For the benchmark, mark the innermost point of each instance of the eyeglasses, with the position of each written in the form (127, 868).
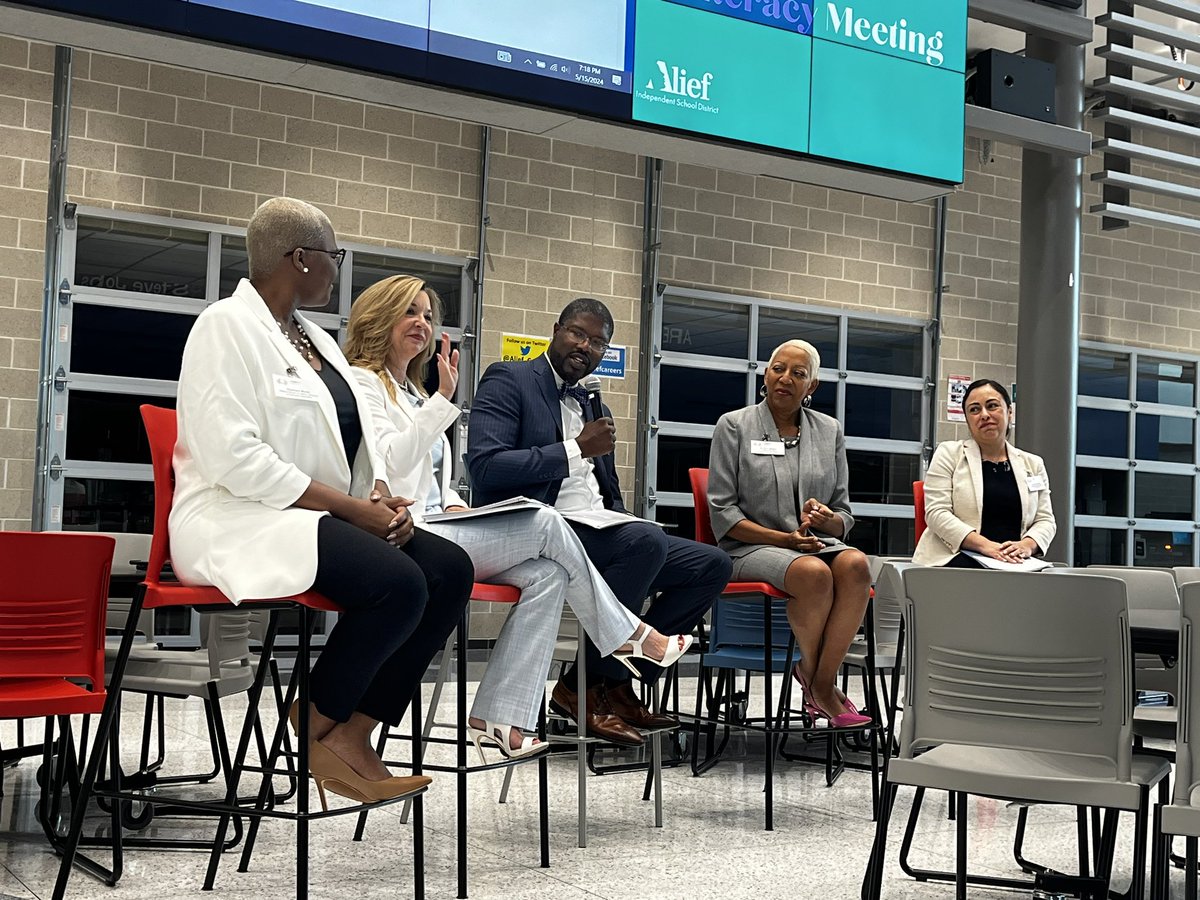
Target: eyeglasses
(582, 337)
(338, 255)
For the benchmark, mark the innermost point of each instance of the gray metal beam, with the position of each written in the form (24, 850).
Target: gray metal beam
(1149, 185)
(1153, 154)
(1171, 99)
(1139, 120)
(1181, 9)
(1147, 216)
(1158, 63)
(1034, 19)
(1029, 133)
(1172, 37)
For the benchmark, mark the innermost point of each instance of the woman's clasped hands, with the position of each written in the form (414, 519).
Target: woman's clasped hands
(386, 517)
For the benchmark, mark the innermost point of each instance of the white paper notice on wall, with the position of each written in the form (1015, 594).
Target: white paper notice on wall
(956, 389)
(63, 334)
(59, 421)
(55, 515)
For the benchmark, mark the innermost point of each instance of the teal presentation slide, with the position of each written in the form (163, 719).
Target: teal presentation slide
(890, 114)
(929, 32)
(878, 83)
(717, 75)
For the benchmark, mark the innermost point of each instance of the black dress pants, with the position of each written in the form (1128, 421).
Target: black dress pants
(399, 606)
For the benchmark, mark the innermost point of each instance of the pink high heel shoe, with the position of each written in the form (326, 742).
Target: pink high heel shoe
(851, 718)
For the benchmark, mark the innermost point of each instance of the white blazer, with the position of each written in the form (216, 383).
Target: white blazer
(954, 500)
(256, 426)
(404, 439)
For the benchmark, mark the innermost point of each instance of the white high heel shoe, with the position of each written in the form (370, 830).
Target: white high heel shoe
(498, 736)
(677, 645)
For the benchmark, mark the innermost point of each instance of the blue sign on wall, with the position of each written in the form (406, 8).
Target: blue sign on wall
(613, 364)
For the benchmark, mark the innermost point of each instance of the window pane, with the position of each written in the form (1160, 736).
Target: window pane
(699, 396)
(776, 326)
(675, 456)
(883, 413)
(445, 279)
(885, 348)
(129, 343)
(1103, 374)
(1165, 438)
(108, 427)
(103, 504)
(1102, 432)
(682, 518)
(1101, 492)
(144, 259)
(1162, 548)
(1099, 547)
(1160, 496)
(234, 267)
(883, 537)
(1166, 381)
(882, 477)
(705, 326)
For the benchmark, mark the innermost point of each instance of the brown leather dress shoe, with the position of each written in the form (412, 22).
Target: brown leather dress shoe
(602, 722)
(625, 703)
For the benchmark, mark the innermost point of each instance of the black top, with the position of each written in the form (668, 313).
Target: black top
(347, 409)
(1001, 520)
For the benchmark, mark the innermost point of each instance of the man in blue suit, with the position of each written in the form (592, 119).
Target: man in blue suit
(532, 434)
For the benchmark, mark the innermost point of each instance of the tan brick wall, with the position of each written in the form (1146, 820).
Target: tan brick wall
(1141, 285)
(565, 222)
(26, 86)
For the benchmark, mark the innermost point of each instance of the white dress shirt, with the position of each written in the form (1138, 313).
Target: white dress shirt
(580, 492)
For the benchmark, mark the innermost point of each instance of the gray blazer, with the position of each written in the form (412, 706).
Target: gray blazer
(763, 488)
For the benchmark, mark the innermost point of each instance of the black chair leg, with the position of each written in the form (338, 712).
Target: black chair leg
(543, 792)
(70, 846)
(1189, 872)
(960, 856)
(872, 888)
(418, 806)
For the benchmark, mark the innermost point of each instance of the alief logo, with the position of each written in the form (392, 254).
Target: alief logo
(896, 35)
(676, 81)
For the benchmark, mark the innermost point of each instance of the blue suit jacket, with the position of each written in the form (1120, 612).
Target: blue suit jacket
(515, 441)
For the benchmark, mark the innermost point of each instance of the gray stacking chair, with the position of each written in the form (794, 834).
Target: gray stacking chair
(1185, 575)
(1018, 687)
(1154, 593)
(1182, 816)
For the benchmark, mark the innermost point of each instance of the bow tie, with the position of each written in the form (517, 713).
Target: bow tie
(575, 392)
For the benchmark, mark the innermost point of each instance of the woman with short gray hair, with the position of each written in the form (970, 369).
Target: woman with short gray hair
(279, 490)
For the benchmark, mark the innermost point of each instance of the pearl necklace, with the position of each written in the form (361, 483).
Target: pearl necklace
(303, 345)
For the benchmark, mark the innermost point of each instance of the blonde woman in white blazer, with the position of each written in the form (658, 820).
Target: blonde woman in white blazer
(983, 494)
(279, 490)
(390, 344)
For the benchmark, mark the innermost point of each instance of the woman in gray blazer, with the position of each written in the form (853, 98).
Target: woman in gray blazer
(983, 494)
(779, 503)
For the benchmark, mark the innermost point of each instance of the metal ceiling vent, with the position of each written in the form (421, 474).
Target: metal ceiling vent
(1154, 120)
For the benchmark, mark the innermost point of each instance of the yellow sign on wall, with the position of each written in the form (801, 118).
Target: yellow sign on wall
(519, 348)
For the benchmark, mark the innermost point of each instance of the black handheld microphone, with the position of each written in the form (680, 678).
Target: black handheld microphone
(591, 384)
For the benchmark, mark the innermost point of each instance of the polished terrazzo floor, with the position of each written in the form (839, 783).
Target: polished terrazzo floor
(712, 843)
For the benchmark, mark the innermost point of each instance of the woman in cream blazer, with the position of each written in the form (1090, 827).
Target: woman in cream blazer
(390, 344)
(983, 494)
(279, 490)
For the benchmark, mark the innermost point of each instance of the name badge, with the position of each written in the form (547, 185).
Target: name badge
(293, 389)
(766, 448)
(1035, 483)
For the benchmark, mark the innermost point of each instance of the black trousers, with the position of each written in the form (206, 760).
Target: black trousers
(399, 606)
(640, 559)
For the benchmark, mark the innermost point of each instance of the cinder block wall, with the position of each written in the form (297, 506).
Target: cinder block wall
(565, 221)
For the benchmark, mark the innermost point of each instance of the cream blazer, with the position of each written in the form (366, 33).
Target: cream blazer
(256, 426)
(404, 439)
(954, 500)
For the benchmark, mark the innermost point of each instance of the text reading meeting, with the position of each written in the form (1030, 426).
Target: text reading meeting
(875, 82)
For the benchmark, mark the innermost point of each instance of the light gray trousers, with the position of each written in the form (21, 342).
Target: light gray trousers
(537, 552)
